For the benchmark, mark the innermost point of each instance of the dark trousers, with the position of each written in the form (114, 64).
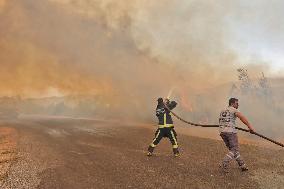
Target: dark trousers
(165, 132)
(231, 141)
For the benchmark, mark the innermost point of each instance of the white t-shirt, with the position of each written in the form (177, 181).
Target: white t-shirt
(227, 120)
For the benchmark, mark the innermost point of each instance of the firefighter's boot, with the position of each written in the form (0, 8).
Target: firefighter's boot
(150, 150)
(176, 152)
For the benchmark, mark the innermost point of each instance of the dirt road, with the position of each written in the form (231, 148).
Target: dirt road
(74, 153)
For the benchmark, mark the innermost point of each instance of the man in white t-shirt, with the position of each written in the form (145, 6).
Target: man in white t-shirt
(228, 132)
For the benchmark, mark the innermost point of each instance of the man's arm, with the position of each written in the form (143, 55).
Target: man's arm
(172, 105)
(245, 121)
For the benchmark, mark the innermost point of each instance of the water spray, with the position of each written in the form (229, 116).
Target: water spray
(170, 92)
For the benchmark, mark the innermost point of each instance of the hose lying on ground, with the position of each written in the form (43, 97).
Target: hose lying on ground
(245, 130)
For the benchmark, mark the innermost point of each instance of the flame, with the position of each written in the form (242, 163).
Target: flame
(185, 103)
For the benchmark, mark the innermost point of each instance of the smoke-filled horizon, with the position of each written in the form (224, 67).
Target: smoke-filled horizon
(129, 53)
(135, 48)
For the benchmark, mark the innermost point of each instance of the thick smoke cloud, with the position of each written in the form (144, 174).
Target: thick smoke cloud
(43, 45)
(105, 46)
(108, 44)
(131, 52)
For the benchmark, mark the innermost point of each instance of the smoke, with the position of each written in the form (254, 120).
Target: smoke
(45, 46)
(109, 47)
(106, 46)
(2, 4)
(129, 52)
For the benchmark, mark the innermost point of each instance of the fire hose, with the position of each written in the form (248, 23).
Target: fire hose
(241, 129)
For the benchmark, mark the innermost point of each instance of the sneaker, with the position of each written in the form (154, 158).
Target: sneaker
(224, 169)
(244, 168)
(149, 154)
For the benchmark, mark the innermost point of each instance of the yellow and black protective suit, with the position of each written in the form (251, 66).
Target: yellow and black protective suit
(165, 127)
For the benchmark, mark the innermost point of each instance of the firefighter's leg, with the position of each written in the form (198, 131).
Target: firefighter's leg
(173, 138)
(156, 140)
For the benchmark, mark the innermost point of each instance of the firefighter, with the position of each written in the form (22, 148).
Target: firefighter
(228, 132)
(165, 127)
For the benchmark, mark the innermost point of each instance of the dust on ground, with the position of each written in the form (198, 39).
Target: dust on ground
(8, 143)
(67, 153)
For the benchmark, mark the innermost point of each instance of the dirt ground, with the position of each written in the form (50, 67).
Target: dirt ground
(79, 153)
